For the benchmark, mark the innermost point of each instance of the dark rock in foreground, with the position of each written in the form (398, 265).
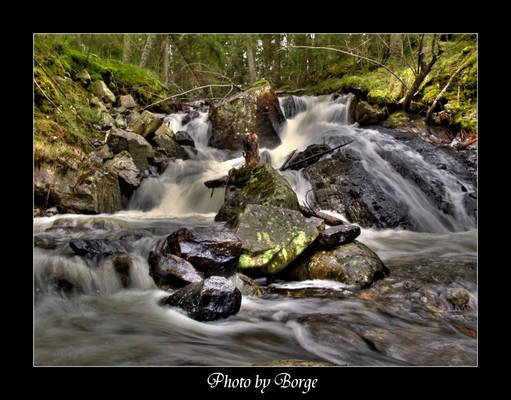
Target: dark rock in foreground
(215, 297)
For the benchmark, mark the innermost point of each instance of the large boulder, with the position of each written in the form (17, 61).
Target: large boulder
(271, 238)
(353, 263)
(139, 148)
(127, 101)
(98, 248)
(255, 110)
(210, 252)
(255, 184)
(72, 189)
(165, 140)
(213, 298)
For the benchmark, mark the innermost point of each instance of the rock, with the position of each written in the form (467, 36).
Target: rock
(120, 122)
(184, 139)
(271, 238)
(458, 297)
(210, 252)
(255, 110)
(319, 223)
(84, 78)
(73, 190)
(337, 235)
(246, 286)
(213, 298)
(127, 101)
(145, 124)
(107, 121)
(165, 139)
(352, 263)
(123, 264)
(255, 184)
(297, 161)
(365, 114)
(98, 248)
(94, 102)
(171, 271)
(124, 167)
(189, 116)
(139, 148)
(343, 185)
(103, 93)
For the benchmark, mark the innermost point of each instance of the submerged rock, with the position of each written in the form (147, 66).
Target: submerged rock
(255, 184)
(352, 263)
(458, 297)
(272, 237)
(210, 252)
(255, 110)
(213, 298)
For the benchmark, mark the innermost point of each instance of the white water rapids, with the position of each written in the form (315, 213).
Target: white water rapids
(107, 324)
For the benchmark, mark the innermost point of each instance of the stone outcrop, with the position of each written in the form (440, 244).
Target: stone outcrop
(139, 148)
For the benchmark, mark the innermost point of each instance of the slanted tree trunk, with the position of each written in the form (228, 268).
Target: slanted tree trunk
(146, 52)
(251, 149)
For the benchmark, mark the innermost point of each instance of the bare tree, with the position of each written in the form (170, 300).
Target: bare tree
(126, 48)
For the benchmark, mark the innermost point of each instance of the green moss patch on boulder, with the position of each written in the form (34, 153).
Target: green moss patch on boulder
(272, 237)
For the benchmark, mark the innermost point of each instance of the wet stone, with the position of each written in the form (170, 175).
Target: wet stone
(171, 270)
(214, 298)
(458, 297)
(337, 235)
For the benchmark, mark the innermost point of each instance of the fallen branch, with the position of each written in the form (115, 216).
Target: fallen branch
(188, 91)
(329, 219)
(469, 142)
(287, 160)
(45, 95)
(317, 155)
(216, 183)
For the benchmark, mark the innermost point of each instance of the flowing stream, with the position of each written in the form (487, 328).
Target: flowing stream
(403, 319)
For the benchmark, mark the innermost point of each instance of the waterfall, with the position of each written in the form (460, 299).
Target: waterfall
(432, 195)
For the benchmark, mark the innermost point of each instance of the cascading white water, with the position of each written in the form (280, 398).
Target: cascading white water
(180, 191)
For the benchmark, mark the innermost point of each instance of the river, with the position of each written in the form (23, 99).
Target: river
(402, 320)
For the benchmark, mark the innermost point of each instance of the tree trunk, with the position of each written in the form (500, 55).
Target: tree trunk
(126, 49)
(276, 62)
(251, 61)
(166, 57)
(146, 52)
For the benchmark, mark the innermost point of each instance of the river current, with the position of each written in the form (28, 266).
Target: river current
(402, 320)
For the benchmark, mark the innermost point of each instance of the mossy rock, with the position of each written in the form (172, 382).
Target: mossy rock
(352, 263)
(271, 238)
(255, 184)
